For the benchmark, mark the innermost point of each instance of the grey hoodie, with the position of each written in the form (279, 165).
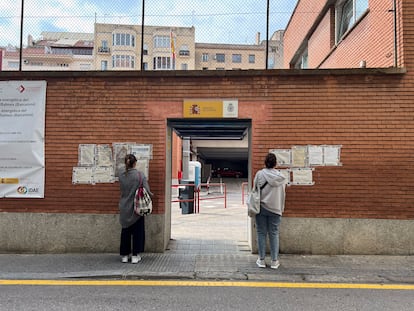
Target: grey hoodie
(272, 196)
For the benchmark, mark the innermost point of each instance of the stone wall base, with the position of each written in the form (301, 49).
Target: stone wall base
(95, 233)
(70, 233)
(336, 236)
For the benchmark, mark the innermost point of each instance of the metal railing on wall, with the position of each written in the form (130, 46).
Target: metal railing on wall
(195, 197)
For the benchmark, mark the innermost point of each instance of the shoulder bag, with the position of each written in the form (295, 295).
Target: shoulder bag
(142, 199)
(253, 199)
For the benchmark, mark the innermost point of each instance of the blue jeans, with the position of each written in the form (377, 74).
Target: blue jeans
(268, 223)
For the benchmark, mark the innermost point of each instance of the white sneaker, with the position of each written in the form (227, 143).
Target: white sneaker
(275, 264)
(260, 263)
(136, 259)
(124, 259)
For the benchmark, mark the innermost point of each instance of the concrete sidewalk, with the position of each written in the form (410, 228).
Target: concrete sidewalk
(211, 245)
(294, 268)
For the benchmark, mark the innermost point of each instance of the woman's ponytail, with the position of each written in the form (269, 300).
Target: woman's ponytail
(130, 161)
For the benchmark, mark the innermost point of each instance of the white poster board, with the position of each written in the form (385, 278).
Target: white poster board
(22, 136)
(103, 156)
(302, 176)
(141, 151)
(332, 155)
(120, 150)
(299, 156)
(315, 155)
(285, 173)
(86, 155)
(283, 156)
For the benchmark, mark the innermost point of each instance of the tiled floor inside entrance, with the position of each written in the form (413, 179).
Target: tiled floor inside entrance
(214, 230)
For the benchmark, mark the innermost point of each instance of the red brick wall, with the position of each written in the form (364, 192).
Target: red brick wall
(366, 111)
(319, 45)
(372, 40)
(305, 13)
(369, 114)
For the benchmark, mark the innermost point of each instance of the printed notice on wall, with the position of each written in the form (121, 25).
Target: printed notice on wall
(283, 156)
(22, 135)
(286, 173)
(332, 155)
(299, 156)
(315, 155)
(302, 176)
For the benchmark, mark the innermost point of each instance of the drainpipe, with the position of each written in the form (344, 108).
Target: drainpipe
(395, 35)
(267, 35)
(142, 36)
(21, 37)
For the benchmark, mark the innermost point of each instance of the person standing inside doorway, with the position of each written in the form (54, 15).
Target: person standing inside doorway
(132, 223)
(272, 204)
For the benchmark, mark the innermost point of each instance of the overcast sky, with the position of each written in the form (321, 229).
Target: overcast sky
(215, 21)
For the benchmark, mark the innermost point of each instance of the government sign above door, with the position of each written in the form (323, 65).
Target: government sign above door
(210, 108)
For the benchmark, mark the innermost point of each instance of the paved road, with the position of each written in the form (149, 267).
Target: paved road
(173, 295)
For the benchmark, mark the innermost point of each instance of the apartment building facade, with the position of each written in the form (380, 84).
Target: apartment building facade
(216, 56)
(342, 34)
(174, 48)
(118, 47)
(53, 51)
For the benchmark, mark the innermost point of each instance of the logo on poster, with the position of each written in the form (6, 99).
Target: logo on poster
(22, 190)
(27, 190)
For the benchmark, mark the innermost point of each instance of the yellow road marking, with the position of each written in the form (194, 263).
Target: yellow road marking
(205, 284)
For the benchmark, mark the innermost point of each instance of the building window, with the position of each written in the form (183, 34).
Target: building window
(347, 13)
(104, 65)
(184, 50)
(104, 47)
(123, 61)
(204, 57)
(85, 66)
(184, 66)
(162, 63)
(162, 42)
(252, 59)
(123, 39)
(220, 58)
(302, 62)
(271, 63)
(236, 58)
(12, 64)
(145, 52)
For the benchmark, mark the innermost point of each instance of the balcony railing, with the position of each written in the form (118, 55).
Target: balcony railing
(103, 49)
(184, 53)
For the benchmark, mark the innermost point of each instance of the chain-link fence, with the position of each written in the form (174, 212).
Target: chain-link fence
(197, 34)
